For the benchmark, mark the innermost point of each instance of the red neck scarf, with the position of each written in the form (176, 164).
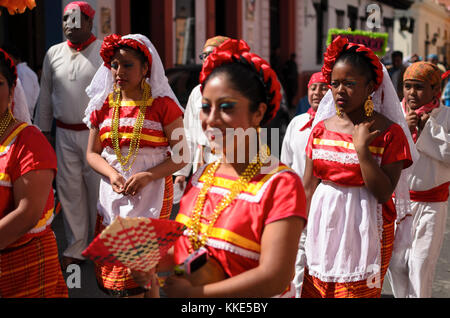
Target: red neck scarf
(312, 115)
(82, 46)
(425, 109)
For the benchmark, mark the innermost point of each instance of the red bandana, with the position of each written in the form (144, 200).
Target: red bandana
(312, 115)
(82, 46)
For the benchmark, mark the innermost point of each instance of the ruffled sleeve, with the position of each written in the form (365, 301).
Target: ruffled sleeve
(396, 147)
(32, 152)
(167, 110)
(284, 198)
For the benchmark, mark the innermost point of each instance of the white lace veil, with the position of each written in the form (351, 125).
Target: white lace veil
(102, 83)
(386, 102)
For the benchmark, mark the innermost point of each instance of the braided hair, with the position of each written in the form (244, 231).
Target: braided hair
(8, 68)
(248, 73)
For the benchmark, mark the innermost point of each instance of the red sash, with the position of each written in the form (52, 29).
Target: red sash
(438, 194)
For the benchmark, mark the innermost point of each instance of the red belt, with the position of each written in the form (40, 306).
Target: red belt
(438, 194)
(76, 127)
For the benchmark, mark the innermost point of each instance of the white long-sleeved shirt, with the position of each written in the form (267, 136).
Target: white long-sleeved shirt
(432, 169)
(195, 136)
(293, 152)
(65, 75)
(30, 85)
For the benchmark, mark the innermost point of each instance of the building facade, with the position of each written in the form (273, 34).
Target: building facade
(424, 29)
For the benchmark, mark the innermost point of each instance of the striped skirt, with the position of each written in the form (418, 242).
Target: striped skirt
(115, 280)
(315, 288)
(32, 270)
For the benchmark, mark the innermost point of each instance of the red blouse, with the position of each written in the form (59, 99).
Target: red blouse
(235, 240)
(25, 149)
(335, 157)
(160, 112)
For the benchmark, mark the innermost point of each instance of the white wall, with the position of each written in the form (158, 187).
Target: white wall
(256, 31)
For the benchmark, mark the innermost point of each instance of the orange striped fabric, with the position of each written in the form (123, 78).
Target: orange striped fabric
(115, 280)
(32, 270)
(315, 288)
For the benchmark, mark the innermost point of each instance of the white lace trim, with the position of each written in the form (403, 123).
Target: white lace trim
(42, 228)
(232, 249)
(130, 122)
(344, 278)
(5, 184)
(340, 157)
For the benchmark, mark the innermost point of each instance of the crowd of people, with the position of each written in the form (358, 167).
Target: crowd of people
(360, 191)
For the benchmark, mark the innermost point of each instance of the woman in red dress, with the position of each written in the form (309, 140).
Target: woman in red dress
(244, 213)
(29, 265)
(355, 156)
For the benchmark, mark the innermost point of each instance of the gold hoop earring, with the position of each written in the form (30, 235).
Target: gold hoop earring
(338, 112)
(369, 107)
(143, 82)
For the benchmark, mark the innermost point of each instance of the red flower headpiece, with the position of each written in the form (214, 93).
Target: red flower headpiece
(341, 45)
(238, 51)
(10, 64)
(114, 41)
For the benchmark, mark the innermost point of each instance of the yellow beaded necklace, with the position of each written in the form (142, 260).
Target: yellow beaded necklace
(137, 129)
(5, 121)
(195, 235)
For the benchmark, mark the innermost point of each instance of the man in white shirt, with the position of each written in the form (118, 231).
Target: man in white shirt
(293, 154)
(411, 271)
(67, 70)
(197, 141)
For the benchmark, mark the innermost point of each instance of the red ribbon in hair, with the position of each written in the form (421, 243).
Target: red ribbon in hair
(114, 41)
(341, 45)
(10, 63)
(234, 51)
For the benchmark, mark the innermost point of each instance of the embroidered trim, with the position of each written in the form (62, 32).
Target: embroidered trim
(340, 157)
(232, 249)
(124, 122)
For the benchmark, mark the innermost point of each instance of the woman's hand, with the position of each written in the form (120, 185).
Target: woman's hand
(362, 137)
(117, 182)
(179, 287)
(412, 119)
(137, 182)
(143, 279)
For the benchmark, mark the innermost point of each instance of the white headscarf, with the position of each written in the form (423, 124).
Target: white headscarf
(103, 82)
(386, 102)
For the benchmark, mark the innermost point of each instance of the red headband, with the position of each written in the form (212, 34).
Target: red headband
(83, 6)
(317, 78)
(10, 64)
(341, 45)
(238, 51)
(114, 41)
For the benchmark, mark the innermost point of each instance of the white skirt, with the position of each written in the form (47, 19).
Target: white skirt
(148, 202)
(345, 228)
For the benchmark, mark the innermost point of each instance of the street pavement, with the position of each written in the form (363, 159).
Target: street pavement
(83, 284)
